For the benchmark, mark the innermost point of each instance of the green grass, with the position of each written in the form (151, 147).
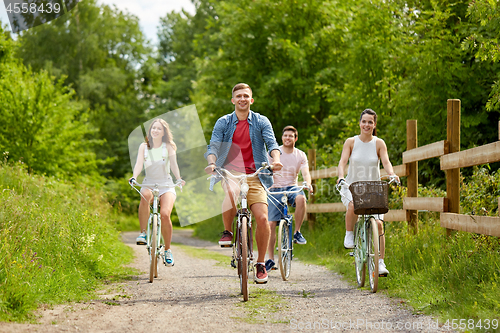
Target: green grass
(58, 243)
(262, 305)
(125, 223)
(209, 229)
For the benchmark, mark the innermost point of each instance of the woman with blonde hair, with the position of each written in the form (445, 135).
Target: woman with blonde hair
(158, 156)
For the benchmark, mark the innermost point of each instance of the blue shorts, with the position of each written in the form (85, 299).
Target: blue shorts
(275, 206)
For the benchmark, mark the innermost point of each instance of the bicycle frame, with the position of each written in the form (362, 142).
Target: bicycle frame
(153, 232)
(243, 236)
(366, 251)
(285, 234)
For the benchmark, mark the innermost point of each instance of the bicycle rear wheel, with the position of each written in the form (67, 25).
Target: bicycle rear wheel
(243, 257)
(285, 249)
(372, 252)
(152, 249)
(359, 253)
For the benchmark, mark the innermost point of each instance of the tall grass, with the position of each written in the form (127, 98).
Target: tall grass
(57, 242)
(454, 277)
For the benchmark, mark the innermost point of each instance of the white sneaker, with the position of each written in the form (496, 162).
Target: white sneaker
(141, 240)
(382, 270)
(169, 258)
(349, 241)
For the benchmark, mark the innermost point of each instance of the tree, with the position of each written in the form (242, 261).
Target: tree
(43, 127)
(484, 41)
(100, 51)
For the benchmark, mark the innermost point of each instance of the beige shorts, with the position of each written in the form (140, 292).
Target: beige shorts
(256, 192)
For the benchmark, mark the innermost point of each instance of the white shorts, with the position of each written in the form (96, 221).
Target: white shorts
(346, 198)
(164, 190)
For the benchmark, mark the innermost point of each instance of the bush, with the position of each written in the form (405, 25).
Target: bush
(58, 242)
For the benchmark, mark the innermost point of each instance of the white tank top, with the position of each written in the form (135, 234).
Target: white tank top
(364, 163)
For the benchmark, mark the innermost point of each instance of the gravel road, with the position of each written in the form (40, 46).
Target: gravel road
(201, 295)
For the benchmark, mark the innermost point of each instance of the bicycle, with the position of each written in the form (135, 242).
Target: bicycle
(369, 198)
(242, 226)
(285, 230)
(154, 239)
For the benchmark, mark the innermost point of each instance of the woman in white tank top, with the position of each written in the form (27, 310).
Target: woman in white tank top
(158, 157)
(364, 153)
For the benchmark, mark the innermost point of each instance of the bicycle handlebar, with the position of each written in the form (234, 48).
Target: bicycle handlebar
(134, 183)
(342, 182)
(221, 172)
(299, 188)
(178, 183)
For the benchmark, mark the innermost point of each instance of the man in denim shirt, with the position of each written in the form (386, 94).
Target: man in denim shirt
(238, 144)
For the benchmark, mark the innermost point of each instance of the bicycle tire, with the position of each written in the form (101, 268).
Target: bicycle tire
(284, 250)
(158, 246)
(359, 260)
(244, 258)
(372, 252)
(152, 249)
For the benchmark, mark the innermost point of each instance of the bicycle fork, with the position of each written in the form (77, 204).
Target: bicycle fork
(156, 247)
(237, 243)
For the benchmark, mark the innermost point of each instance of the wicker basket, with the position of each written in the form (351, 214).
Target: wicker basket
(370, 197)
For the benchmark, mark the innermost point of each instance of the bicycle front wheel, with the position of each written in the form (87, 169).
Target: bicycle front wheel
(243, 258)
(359, 254)
(158, 245)
(285, 249)
(152, 249)
(373, 252)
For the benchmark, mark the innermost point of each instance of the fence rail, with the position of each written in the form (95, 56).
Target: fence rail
(451, 160)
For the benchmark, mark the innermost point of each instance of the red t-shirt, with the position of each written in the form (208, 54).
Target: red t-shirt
(240, 156)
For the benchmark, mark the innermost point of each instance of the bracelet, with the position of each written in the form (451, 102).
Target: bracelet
(211, 163)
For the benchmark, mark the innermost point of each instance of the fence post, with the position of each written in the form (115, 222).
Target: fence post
(311, 217)
(453, 175)
(411, 143)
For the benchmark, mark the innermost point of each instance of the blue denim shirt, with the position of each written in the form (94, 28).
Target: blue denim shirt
(261, 135)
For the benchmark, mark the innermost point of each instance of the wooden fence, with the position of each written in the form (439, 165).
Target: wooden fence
(451, 160)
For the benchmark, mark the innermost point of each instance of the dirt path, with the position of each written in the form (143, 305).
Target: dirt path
(200, 295)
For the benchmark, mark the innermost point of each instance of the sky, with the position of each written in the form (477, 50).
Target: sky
(148, 11)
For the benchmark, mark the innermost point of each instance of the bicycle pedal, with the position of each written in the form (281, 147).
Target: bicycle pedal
(382, 275)
(227, 245)
(351, 254)
(233, 264)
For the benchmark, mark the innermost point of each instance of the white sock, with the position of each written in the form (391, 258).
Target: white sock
(349, 233)
(262, 263)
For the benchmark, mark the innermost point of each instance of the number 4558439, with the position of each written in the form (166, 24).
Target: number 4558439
(33, 8)
(463, 324)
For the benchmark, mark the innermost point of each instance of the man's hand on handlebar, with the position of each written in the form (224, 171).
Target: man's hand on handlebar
(210, 168)
(276, 166)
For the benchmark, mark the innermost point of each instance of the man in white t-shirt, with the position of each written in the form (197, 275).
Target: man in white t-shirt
(294, 161)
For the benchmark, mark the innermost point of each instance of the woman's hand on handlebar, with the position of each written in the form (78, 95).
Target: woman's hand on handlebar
(341, 181)
(132, 181)
(394, 178)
